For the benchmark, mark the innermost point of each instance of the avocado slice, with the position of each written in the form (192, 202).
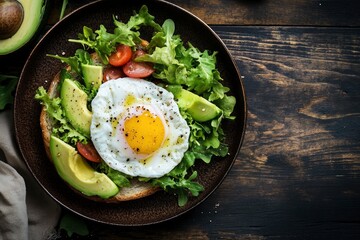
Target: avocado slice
(74, 103)
(74, 169)
(198, 107)
(33, 12)
(93, 75)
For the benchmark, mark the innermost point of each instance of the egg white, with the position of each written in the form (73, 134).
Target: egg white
(116, 100)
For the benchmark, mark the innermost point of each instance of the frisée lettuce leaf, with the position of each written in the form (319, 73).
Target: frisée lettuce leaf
(61, 126)
(188, 66)
(7, 87)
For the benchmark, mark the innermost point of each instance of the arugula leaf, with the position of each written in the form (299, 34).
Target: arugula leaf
(73, 224)
(81, 56)
(179, 185)
(201, 77)
(119, 178)
(143, 18)
(7, 87)
(188, 66)
(104, 43)
(227, 104)
(164, 52)
(63, 8)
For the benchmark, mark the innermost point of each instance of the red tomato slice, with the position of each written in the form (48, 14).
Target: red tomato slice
(121, 56)
(112, 73)
(88, 151)
(137, 69)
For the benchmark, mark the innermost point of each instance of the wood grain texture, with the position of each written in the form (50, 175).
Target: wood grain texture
(297, 174)
(270, 12)
(267, 12)
(232, 12)
(301, 155)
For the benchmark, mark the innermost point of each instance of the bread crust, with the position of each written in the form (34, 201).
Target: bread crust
(135, 191)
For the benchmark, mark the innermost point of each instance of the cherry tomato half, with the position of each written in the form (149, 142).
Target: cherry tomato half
(112, 73)
(138, 53)
(121, 56)
(137, 69)
(88, 151)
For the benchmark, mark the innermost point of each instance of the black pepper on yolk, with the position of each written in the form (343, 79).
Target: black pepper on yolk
(145, 133)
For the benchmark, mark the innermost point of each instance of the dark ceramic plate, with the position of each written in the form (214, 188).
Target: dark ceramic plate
(39, 71)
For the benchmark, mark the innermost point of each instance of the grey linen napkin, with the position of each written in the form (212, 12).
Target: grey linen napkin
(26, 211)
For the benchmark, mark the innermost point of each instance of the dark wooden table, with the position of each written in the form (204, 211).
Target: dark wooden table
(298, 172)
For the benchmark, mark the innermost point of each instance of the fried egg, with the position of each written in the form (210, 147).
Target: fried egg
(137, 128)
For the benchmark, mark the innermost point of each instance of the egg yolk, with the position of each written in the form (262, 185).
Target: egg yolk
(144, 133)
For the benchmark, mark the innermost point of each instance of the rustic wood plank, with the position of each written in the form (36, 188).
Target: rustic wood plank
(267, 12)
(297, 174)
(280, 12)
(301, 154)
(235, 12)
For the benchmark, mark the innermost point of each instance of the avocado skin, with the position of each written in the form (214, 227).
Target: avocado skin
(74, 103)
(198, 107)
(36, 13)
(75, 170)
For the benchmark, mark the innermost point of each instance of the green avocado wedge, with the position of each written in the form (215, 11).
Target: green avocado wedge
(74, 103)
(93, 75)
(33, 13)
(75, 170)
(199, 108)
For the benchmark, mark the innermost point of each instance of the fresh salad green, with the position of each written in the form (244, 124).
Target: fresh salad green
(7, 88)
(174, 63)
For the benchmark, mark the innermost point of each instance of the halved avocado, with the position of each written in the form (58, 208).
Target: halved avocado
(74, 169)
(74, 103)
(33, 12)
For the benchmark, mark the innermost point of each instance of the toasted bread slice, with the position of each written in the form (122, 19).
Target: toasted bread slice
(135, 191)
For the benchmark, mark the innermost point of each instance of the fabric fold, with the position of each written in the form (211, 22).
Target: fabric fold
(22, 201)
